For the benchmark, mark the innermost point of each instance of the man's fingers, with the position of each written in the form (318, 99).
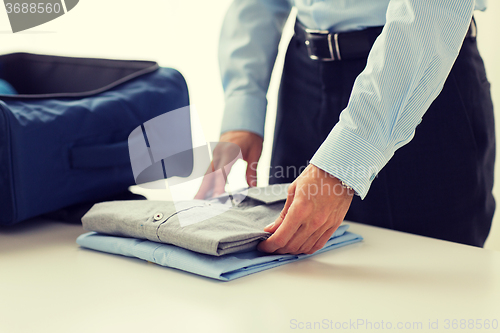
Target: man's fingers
(289, 199)
(232, 145)
(287, 229)
(214, 180)
(322, 240)
(252, 159)
(213, 184)
(276, 224)
(314, 239)
(220, 181)
(204, 190)
(306, 236)
(206, 184)
(312, 217)
(303, 240)
(251, 174)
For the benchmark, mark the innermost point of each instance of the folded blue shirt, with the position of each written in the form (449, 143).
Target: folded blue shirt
(225, 268)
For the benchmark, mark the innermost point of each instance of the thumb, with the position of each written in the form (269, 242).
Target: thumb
(276, 224)
(206, 188)
(252, 162)
(251, 174)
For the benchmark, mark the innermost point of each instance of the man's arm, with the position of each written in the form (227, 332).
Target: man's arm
(247, 51)
(405, 72)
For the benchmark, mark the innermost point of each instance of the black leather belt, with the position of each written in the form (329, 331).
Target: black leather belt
(326, 46)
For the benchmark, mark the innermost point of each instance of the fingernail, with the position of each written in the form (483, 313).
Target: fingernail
(269, 225)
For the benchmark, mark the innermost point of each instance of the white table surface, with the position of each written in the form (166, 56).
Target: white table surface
(49, 284)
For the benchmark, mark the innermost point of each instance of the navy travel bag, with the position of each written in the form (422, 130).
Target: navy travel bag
(63, 136)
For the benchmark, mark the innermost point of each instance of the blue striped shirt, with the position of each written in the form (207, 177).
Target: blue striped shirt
(405, 72)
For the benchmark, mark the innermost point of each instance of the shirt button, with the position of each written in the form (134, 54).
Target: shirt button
(158, 216)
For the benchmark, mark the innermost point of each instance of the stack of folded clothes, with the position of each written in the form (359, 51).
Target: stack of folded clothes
(222, 246)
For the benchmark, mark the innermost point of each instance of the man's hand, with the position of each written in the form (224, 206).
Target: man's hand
(315, 207)
(251, 148)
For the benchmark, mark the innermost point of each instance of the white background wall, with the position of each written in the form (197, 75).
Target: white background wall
(184, 35)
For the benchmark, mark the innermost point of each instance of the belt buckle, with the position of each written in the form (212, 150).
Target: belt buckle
(333, 47)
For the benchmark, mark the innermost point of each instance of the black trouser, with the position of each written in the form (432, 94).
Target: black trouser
(438, 185)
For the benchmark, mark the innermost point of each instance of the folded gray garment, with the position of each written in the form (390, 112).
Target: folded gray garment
(227, 230)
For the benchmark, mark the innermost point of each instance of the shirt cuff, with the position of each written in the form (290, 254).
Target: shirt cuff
(244, 113)
(350, 158)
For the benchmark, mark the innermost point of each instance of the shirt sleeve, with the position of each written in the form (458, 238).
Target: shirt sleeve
(405, 72)
(247, 51)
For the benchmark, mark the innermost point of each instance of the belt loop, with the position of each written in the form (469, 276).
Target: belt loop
(330, 47)
(337, 48)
